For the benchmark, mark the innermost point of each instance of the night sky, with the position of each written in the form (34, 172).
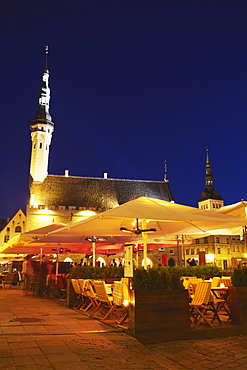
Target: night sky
(132, 83)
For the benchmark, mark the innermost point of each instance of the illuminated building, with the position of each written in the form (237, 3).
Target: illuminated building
(68, 198)
(15, 226)
(225, 251)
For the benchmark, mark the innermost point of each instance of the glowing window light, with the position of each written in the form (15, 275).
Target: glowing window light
(209, 257)
(86, 213)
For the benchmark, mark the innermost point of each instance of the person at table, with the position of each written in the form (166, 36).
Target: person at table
(45, 268)
(27, 274)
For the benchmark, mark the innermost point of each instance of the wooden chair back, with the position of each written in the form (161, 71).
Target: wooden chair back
(202, 294)
(100, 291)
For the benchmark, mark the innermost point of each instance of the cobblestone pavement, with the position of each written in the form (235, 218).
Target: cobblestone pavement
(39, 333)
(217, 353)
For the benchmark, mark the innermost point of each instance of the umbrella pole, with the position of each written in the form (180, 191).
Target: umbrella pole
(183, 251)
(57, 265)
(178, 251)
(145, 251)
(93, 248)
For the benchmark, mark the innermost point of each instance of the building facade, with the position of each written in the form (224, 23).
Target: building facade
(66, 198)
(224, 251)
(15, 226)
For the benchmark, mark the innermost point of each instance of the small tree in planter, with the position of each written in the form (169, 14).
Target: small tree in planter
(159, 310)
(238, 296)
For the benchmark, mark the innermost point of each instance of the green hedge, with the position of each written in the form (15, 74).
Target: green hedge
(200, 271)
(239, 277)
(154, 278)
(157, 278)
(88, 272)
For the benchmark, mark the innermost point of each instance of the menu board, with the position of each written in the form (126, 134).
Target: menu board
(128, 260)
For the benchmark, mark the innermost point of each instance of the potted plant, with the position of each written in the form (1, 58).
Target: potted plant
(159, 308)
(238, 296)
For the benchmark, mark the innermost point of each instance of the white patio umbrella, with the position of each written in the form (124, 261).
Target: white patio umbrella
(238, 209)
(167, 219)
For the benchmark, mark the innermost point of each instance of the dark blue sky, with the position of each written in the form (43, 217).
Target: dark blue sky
(132, 83)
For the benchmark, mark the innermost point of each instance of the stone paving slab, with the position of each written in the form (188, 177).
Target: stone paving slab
(39, 333)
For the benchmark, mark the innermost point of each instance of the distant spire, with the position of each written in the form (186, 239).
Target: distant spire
(44, 96)
(46, 56)
(165, 171)
(209, 180)
(209, 192)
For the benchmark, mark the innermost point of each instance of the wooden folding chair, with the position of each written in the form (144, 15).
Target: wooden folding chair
(77, 290)
(105, 302)
(121, 300)
(215, 282)
(62, 283)
(90, 298)
(226, 281)
(200, 304)
(8, 280)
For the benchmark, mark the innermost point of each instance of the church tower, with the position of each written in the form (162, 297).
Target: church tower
(210, 199)
(42, 128)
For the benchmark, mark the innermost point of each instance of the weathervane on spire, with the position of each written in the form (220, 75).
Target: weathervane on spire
(165, 171)
(46, 55)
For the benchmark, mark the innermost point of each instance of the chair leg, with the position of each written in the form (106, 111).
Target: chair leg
(202, 317)
(111, 311)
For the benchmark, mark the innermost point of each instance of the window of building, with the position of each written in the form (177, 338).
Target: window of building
(205, 240)
(34, 145)
(6, 238)
(18, 229)
(40, 145)
(237, 248)
(171, 251)
(197, 250)
(8, 228)
(206, 250)
(229, 251)
(227, 240)
(218, 250)
(242, 248)
(187, 252)
(233, 248)
(192, 251)
(217, 239)
(197, 241)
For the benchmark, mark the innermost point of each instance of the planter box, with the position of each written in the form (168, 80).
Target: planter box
(238, 304)
(159, 315)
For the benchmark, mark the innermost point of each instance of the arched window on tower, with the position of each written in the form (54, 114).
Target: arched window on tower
(40, 145)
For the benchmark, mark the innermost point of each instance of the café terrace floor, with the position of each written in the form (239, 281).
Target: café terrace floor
(40, 333)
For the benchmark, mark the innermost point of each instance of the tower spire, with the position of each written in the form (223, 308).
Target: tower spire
(209, 179)
(210, 199)
(44, 95)
(165, 171)
(42, 128)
